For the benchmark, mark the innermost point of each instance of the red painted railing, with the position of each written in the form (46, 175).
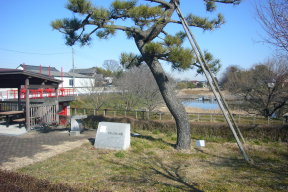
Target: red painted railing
(40, 93)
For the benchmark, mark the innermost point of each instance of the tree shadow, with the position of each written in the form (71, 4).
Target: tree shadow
(49, 129)
(55, 128)
(155, 173)
(150, 138)
(261, 165)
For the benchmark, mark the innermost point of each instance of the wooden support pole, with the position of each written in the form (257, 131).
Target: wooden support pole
(57, 104)
(19, 98)
(27, 106)
(190, 35)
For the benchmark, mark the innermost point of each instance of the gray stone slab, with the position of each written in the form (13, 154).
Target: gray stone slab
(76, 121)
(115, 136)
(74, 133)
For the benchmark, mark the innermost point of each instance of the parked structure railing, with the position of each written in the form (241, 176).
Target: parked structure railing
(39, 93)
(42, 114)
(39, 113)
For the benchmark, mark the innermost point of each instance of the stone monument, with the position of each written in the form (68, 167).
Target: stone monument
(115, 136)
(76, 121)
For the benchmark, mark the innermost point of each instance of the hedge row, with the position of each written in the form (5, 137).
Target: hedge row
(207, 129)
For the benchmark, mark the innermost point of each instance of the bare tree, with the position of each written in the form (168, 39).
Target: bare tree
(113, 66)
(129, 86)
(94, 96)
(149, 91)
(138, 87)
(273, 18)
(263, 88)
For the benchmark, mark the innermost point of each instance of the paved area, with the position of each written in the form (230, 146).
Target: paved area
(12, 130)
(36, 141)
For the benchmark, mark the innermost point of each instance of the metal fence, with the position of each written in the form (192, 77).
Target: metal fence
(194, 117)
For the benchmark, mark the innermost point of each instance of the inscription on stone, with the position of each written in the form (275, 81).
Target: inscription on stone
(115, 136)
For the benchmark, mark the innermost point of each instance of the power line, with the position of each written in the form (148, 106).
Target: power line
(34, 53)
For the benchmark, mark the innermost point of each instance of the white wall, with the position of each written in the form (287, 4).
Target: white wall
(79, 82)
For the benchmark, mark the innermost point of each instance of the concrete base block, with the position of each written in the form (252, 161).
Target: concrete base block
(74, 133)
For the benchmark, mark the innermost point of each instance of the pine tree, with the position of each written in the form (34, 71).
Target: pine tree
(149, 23)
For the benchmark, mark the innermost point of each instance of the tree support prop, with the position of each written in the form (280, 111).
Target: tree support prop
(189, 35)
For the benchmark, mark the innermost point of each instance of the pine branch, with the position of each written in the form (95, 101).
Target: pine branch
(235, 2)
(164, 3)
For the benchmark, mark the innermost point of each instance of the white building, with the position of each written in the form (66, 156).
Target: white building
(81, 81)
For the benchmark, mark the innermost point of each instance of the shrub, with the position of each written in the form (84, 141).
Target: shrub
(199, 130)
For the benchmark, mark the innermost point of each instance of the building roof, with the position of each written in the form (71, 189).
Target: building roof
(53, 71)
(13, 78)
(58, 74)
(33, 67)
(87, 71)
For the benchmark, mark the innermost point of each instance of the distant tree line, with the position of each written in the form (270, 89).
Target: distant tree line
(189, 85)
(263, 87)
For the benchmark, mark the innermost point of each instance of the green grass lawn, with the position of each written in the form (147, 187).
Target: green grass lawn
(152, 164)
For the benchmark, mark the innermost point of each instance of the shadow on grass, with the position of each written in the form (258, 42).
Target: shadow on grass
(260, 169)
(150, 138)
(155, 173)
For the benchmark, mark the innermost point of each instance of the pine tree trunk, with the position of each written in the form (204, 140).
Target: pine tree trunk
(174, 105)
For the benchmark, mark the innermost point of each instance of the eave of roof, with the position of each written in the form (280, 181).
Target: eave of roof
(4, 71)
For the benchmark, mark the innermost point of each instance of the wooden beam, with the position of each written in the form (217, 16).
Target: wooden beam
(42, 86)
(19, 98)
(57, 105)
(27, 105)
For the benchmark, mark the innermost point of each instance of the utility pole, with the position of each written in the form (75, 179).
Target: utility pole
(73, 68)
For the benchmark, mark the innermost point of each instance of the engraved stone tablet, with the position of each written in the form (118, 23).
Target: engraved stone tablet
(115, 136)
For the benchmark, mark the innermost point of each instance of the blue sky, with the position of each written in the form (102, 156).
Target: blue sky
(27, 37)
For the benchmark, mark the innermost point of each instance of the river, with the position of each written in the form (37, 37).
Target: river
(199, 103)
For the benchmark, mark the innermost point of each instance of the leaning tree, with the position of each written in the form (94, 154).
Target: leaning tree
(147, 25)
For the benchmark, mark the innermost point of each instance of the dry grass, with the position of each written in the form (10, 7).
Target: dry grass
(198, 91)
(152, 164)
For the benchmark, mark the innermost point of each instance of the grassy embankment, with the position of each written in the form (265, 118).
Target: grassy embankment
(152, 164)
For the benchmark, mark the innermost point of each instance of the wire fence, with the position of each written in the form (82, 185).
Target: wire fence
(194, 117)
